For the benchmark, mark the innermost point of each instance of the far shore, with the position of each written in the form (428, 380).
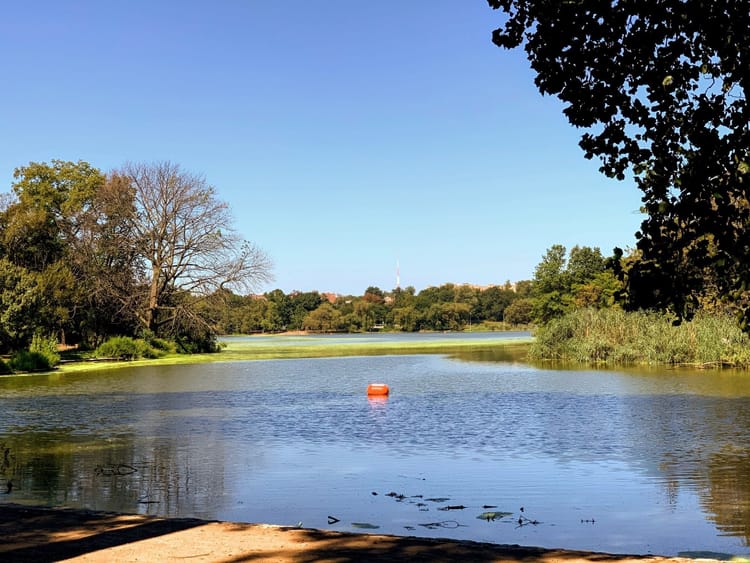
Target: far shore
(286, 346)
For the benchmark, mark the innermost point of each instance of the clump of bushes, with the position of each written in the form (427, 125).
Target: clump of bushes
(613, 336)
(127, 348)
(29, 361)
(46, 347)
(42, 355)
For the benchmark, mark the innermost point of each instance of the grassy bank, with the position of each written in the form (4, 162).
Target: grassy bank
(612, 336)
(281, 347)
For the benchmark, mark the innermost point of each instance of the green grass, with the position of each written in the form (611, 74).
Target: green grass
(287, 347)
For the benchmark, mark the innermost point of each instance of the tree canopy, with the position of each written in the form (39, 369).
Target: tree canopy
(660, 89)
(86, 255)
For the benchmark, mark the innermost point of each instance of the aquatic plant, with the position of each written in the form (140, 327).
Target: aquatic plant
(613, 336)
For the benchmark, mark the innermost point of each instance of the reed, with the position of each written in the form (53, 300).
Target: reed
(612, 336)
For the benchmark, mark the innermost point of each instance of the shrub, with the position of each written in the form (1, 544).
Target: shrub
(197, 343)
(4, 369)
(164, 345)
(126, 348)
(47, 347)
(29, 361)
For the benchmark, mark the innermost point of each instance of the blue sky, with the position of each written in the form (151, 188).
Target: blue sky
(346, 136)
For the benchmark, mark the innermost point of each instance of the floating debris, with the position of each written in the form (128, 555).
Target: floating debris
(523, 521)
(438, 499)
(452, 507)
(495, 515)
(114, 469)
(333, 520)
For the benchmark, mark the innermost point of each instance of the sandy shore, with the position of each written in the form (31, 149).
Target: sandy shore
(44, 534)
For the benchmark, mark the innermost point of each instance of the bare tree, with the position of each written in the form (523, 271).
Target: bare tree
(189, 249)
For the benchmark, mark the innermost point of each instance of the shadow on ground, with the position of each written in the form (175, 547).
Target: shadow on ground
(44, 534)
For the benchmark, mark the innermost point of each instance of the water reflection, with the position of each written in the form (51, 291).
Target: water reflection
(655, 459)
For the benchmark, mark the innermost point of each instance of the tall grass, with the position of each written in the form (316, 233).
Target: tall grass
(613, 336)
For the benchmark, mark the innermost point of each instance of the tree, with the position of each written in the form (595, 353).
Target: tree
(551, 284)
(184, 236)
(661, 91)
(42, 231)
(374, 294)
(323, 319)
(492, 303)
(406, 318)
(19, 305)
(105, 256)
(580, 280)
(584, 263)
(302, 303)
(519, 312)
(43, 221)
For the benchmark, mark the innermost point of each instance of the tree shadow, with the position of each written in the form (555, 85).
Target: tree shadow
(310, 545)
(43, 534)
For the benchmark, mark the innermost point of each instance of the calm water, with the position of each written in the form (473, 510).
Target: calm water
(621, 461)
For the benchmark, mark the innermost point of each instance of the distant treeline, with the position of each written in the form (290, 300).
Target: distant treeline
(447, 307)
(561, 283)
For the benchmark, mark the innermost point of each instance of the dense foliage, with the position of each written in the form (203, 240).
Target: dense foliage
(446, 307)
(660, 88)
(86, 255)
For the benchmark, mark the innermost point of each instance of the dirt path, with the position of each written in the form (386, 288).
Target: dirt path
(42, 534)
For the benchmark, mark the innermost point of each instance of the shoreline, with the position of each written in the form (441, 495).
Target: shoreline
(288, 349)
(53, 534)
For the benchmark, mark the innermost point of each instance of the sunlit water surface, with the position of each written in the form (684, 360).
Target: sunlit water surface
(620, 461)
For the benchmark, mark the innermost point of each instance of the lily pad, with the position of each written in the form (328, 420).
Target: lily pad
(494, 515)
(364, 526)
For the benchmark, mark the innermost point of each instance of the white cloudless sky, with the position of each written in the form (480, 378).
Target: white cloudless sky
(346, 136)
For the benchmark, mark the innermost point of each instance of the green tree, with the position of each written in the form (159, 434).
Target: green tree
(524, 288)
(403, 297)
(580, 279)
(41, 224)
(406, 318)
(20, 299)
(323, 319)
(520, 312)
(660, 89)
(492, 303)
(302, 303)
(279, 314)
(43, 230)
(551, 284)
(374, 294)
(584, 263)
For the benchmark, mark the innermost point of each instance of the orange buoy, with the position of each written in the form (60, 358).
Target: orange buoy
(377, 390)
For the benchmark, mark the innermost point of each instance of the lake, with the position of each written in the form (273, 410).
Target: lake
(626, 461)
